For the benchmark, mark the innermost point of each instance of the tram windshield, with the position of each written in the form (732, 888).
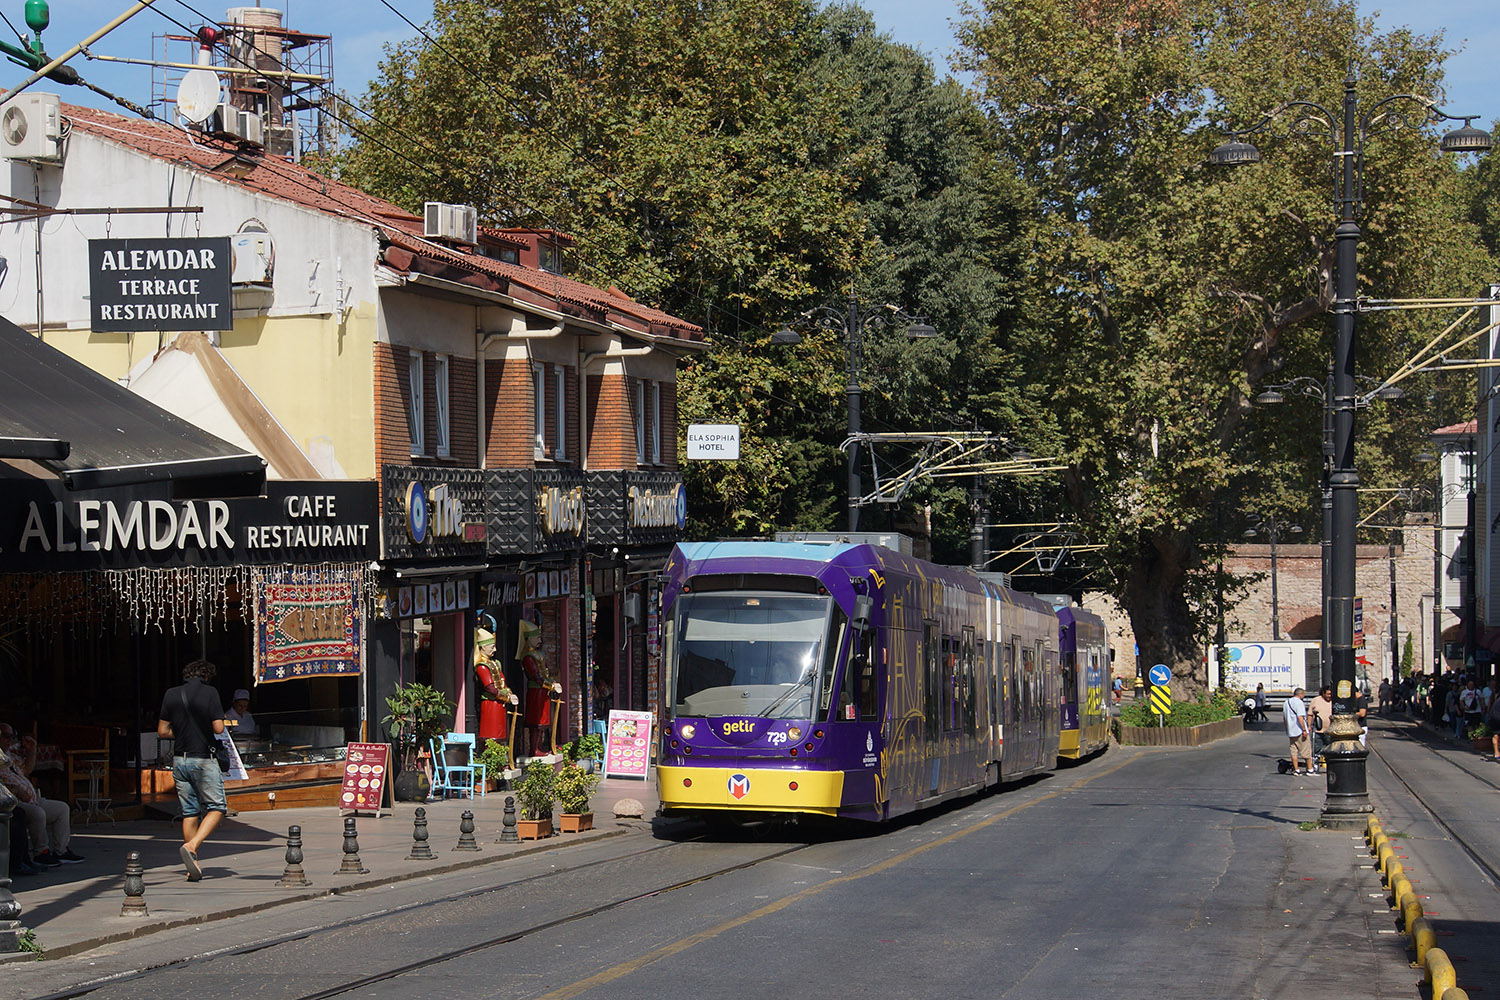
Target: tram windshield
(749, 654)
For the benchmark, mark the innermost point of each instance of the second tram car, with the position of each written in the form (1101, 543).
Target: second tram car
(846, 680)
(1083, 643)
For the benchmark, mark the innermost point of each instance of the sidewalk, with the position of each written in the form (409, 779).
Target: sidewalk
(76, 908)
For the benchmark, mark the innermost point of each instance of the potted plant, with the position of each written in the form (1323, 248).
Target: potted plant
(1479, 738)
(574, 785)
(418, 713)
(591, 750)
(535, 793)
(495, 756)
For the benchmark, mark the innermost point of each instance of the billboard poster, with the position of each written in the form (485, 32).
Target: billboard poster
(367, 778)
(627, 745)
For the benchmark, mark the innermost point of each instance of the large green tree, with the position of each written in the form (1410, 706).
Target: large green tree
(736, 164)
(1165, 292)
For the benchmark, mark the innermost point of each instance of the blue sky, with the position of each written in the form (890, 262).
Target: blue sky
(361, 27)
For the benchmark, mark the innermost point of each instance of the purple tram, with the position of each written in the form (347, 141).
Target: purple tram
(846, 680)
(1084, 645)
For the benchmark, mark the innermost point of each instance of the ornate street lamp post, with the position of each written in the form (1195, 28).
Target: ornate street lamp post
(1347, 803)
(1272, 530)
(853, 322)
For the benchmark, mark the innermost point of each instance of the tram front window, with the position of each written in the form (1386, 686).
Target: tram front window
(740, 654)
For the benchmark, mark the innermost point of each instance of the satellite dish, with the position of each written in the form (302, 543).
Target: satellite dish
(198, 95)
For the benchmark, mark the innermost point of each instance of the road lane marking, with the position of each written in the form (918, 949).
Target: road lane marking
(692, 940)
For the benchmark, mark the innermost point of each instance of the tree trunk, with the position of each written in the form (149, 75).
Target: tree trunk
(1155, 599)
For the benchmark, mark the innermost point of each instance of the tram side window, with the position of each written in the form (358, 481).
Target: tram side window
(1028, 682)
(1012, 672)
(1070, 678)
(857, 693)
(968, 649)
(931, 668)
(950, 683)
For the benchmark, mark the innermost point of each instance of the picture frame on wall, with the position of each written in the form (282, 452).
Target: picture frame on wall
(419, 600)
(403, 601)
(554, 578)
(435, 598)
(450, 596)
(566, 585)
(463, 595)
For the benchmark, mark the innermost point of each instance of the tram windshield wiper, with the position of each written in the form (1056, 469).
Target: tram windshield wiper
(804, 681)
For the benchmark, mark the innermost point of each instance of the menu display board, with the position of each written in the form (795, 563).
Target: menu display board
(627, 745)
(367, 778)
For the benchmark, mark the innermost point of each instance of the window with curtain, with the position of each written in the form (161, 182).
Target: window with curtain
(416, 403)
(560, 433)
(440, 436)
(539, 407)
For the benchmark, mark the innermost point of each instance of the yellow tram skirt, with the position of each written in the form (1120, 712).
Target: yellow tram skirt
(750, 789)
(1067, 744)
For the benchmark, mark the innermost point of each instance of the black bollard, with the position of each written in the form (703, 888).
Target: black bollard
(420, 851)
(351, 865)
(508, 823)
(466, 841)
(135, 887)
(293, 877)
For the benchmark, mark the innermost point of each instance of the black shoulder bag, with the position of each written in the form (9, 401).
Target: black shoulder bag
(215, 745)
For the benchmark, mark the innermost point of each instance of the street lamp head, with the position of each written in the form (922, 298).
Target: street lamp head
(1269, 397)
(1295, 529)
(1467, 139)
(1234, 154)
(920, 331)
(1389, 392)
(1425, 457)
(786, 335)
(1249, 532)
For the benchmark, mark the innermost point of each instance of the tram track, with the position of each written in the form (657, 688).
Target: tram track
(407, 909)
(1415, 790)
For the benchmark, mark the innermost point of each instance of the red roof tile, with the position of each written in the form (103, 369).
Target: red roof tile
(294, 183)
(1469, 427)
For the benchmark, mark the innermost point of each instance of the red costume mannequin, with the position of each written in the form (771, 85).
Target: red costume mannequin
(495, 698)
(539, 686)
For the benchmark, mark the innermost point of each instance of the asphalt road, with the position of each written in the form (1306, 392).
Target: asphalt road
(1135, 874)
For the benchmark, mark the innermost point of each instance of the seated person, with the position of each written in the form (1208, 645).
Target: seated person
(239, 712)
(46, 819)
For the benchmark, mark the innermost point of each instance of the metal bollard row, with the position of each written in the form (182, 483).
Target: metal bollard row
(1438, 968)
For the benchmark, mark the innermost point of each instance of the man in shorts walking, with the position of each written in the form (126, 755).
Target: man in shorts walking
(1295, 712)
(192, 715)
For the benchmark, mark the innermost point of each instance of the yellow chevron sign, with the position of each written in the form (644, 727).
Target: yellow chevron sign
(1161, 699)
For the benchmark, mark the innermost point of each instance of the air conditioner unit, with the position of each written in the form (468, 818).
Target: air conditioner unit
(254, 258)
(229, 122)
(31, 128)
(442, 221)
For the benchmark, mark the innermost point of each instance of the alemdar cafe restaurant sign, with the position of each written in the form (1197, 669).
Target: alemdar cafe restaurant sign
(161, 284)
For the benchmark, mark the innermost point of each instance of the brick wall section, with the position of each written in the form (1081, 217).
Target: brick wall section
(392, 437)
(509, 438)
(1299, 580)
(612, 417)
(669, 424)
(464, 425)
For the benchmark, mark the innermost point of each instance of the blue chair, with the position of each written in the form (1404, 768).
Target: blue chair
(463, 773)
(440, 783)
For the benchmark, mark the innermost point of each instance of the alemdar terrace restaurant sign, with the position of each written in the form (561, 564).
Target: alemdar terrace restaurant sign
(161, 284)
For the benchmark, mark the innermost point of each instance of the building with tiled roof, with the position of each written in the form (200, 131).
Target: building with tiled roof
(515, 428)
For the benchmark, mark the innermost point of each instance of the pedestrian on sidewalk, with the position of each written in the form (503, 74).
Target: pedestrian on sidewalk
(1260, 703)
(1320, 715)
(47, 820)
(192, 715)
(1492, 720)
(1294, 709)
(1471, 705)
(1385, 696)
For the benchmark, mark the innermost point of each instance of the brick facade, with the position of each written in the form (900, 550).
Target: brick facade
(1299, 579)
(612, 430)
(509, 435)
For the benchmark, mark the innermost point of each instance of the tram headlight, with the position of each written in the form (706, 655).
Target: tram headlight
(794, 733)
(687, 730)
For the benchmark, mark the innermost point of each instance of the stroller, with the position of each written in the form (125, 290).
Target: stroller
(1249, 710)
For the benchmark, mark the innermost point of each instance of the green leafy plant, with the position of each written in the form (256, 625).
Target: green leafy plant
(418, 713)
(1215, 706)
(574, 787)
(1480, 732)
(591, 746)
(495, 756)
(28, 943)
(536, 790)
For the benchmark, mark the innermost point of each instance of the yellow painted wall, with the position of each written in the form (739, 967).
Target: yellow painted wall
(314, 373)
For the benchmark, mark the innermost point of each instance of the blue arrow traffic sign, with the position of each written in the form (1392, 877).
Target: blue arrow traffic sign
(1160, 675)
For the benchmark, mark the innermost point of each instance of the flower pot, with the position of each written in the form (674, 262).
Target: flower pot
(534, 829)
(1483, 744)
(411, 786)
(577, 822)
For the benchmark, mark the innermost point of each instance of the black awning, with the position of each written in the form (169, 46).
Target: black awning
(95, 433)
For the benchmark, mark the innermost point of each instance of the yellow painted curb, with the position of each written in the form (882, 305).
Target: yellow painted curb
(1424, 939)
(1439, 972)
